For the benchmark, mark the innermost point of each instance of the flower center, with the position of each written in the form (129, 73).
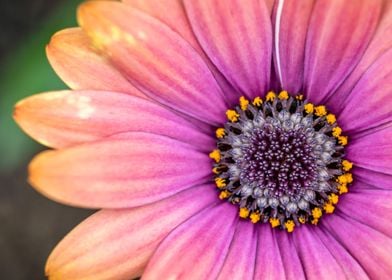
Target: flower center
(281, 160)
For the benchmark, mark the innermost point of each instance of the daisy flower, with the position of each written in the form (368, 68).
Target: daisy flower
(221, 139)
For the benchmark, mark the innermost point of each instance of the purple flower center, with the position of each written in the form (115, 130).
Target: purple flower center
(281, 160)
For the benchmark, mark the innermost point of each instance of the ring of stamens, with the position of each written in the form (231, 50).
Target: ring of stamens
(281, 160)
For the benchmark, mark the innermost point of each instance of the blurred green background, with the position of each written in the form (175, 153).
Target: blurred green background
(30, 225)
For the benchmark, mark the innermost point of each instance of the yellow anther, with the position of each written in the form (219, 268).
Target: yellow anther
(215, 155)
(244, 103)
(320, 111)
(224, 194)
(317, 213)
(254, 217)
(299, 97)
(343, 140)
(336, 131)
(347, 165)
(257, 101)
(283, 95)
(333, 198)
(274, 222)
(220, 133)
(270, 96)
(232, 115)
(342, 188)
(244, 212)
(215, 170)
(331, 119)
(349, 177)
(314, 221)
(220, 182)
(309, 108)
(302, 219)
(329, 208)
(289, 226)
(345, 178)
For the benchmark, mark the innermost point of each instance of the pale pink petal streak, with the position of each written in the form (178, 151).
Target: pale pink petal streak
(117, 244)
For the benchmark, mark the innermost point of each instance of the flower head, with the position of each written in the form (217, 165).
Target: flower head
(222, 139)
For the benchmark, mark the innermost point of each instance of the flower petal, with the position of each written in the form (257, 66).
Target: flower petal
(269, 263)
(238, 40)
(65, 118)
(197, 248)
(74, 59)
(155, 58)
(128, 170)
(240, 260)
(374, 179)
(317, 261)
(373, 151)
(370, 207)
(294, 21)
(116, 244)
(338, 35)
(369, 247)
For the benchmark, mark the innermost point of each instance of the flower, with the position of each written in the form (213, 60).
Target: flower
(288, 102)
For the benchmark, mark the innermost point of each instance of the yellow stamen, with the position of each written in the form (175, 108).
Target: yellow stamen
(274, 222)
(220, 133)
(302, 219)
(244, 212)
(244, 103)
(283, 95)
(289, 226)
(320, 111)
(232, 115)
(215, 170)
(347, 165)
(343, 140)
(254, 217)
(224, 194)
(342, 188)
(329, 208)
(317, 213)
(345, 178)
(299, 97)
(220, 182)
(215, 155)
(257, 101)
(331, 119)
(333, 198)
(336, 131)
(314, 221)
(270, 96)
(309, 108)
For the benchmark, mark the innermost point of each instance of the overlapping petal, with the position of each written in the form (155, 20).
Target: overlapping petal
(127, 170)
(155, 58)
(116, 244)
(74, 59)
(65, 118)
(197, 248)
(238, 40)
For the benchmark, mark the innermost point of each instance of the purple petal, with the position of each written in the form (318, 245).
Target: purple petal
(374, 179)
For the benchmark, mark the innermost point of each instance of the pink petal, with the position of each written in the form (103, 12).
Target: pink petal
(60, 119)
(197, 248)
(369, 247)
(269, 263)
(368, 106)
(338, 35)
(317, 261)
(294, 21)
(126, 171)
(373, 151)
(376, 214)
(291, 261)
(240, 260)
(352, 269)
(155, 58)
(74, 59)
(178, 21)
(375, 179)
(116, 244)
(238, 40)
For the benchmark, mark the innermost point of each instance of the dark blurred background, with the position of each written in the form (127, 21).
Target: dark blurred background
(30, 224)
